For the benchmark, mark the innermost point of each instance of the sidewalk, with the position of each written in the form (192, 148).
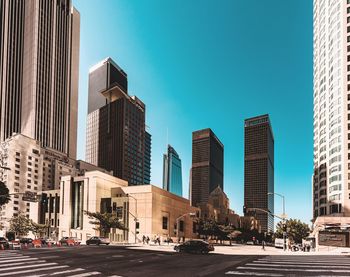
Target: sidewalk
(239, 249)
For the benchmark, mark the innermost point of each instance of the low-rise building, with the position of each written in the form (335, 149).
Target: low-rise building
(145, 210)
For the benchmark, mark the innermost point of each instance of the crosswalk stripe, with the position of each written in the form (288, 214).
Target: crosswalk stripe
(297, 265)
(27, 266)
(288, 269)
(18, 260)
(247, 273)
(86, 274)
(67, 271)
(13, 263)
(305, 263)
(33, 270)
(9, 258)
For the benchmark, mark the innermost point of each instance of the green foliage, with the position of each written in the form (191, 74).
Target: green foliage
(105, 221)
(296, 230)
(210, 228)
(4, 194)
(38, 229)
(21, 225)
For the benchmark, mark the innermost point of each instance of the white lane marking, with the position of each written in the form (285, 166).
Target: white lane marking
(246, 273)
(86, 274)
(18, 260)
(32, 270)
(289, 269)
(301, 263)
(9, 258)
(15, 263)
(115, 276)
(67, 271)
(27, 266)
(297, 265)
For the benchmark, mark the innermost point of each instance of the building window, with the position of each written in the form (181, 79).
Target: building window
(165, 223)
(181, 226)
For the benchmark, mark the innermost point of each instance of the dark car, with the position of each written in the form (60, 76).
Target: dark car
(194, 246)
(26, 240)
(97, 241)
(4, 243)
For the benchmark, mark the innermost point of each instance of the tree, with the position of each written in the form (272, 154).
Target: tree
(38, 229)
(296, 230)
(4, 194)
(105, 222)
(207, 228)
(21, 225)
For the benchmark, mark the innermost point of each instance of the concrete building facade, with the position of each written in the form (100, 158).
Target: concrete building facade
(39, 67)
(145, 209)
(331, 93)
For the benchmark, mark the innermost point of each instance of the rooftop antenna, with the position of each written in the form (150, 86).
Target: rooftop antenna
(167, 138)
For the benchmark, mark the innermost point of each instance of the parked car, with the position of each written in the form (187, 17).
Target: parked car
(69, 241)
(51, 241)
(4, 243)
(26, 240)
(97, 241)
(15, 244)
(250, 242)
(194, 246)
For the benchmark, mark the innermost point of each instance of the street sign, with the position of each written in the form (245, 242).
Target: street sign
(29, 196)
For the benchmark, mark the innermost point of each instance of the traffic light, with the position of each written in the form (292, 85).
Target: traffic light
(244, 209)
(44, 202)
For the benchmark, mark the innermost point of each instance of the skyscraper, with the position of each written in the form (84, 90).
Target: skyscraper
(331, 177)
(39, 67)
(259, 170)
(172, 173)
(207, 165)
(116, 134)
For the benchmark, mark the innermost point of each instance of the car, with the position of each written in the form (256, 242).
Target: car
(15, 244)
(97, 241)
(26, 240)
(51, 242)
(194, 246)
(69, 241)
(250, 242)
(4, 243)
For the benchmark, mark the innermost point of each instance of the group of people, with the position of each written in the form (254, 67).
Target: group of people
(145, 239)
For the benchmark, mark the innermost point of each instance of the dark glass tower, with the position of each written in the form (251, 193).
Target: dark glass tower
(172, 173)
(207, 171)
(116, 135)
(259, 169)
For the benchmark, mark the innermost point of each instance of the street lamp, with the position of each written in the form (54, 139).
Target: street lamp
(283, 216)
(177, 222)
(135, 217)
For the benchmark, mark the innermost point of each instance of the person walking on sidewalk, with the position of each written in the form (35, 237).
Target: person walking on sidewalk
(263, 245)
(143, 239)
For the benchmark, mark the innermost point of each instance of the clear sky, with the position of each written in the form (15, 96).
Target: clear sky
(198, 64)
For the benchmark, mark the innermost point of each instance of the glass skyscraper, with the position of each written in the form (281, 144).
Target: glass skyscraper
(172, 175)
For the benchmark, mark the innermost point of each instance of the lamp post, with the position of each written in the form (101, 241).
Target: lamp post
(177, 222)
(283, 216)
(135, 217)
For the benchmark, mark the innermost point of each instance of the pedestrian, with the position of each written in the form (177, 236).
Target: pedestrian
(147, 239)
(158, 239)
(143, 239)
(263, 245)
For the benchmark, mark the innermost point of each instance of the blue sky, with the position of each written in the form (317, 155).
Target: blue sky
(198, 64)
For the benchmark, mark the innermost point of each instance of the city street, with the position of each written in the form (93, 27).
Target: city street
(123, 261)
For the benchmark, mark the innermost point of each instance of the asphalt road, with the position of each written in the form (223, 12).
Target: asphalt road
(120, 261)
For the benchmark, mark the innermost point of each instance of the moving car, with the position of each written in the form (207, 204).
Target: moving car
(4, 243)
(194, 246)
(97, 241)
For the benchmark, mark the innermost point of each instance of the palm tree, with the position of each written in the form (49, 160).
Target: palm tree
(105, 222)
(4, 194)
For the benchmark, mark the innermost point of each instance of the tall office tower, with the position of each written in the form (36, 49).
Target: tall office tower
(259, 170)
(207, 172)
(331, 176)
(39, 67)
(116, 135)
(147, 166)
(172, 173)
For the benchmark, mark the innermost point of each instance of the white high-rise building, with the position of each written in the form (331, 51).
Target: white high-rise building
(331, 178)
